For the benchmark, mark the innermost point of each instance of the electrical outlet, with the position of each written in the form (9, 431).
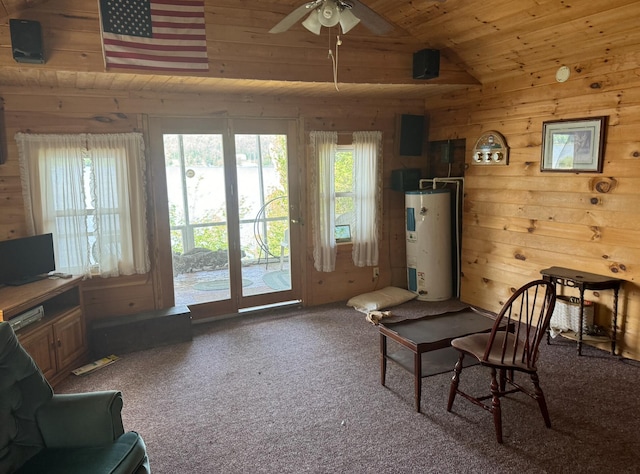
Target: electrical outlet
(376, 272)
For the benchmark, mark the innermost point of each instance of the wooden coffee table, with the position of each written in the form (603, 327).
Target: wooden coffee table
(428, 340)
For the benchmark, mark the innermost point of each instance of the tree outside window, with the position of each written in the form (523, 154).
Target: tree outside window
(344, 195)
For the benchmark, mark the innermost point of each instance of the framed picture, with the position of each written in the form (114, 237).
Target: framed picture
(575, 145)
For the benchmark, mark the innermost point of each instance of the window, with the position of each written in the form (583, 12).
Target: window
(344, 195)
(346, 188)
(89, 192)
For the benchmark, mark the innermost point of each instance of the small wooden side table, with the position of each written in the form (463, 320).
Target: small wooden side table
(586, 281)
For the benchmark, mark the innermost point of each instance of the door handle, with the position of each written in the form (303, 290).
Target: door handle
(297, 221)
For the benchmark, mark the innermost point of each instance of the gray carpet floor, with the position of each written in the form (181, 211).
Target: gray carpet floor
(298, 390)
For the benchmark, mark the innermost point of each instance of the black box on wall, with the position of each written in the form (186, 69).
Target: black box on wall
(407, 179)
(426, 64)
(26, 41)
(410, 135)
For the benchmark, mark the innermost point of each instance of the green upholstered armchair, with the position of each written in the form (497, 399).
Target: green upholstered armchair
(41, 432)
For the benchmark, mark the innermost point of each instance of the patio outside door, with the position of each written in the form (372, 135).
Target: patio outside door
(229, 210)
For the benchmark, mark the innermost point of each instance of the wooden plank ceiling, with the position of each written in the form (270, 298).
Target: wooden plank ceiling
(480, 42)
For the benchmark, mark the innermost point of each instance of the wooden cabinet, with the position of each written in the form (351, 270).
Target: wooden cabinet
(69, 338)
(39, 345)
(58, 342)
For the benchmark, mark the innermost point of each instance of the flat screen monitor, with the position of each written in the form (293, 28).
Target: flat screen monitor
(26, 259)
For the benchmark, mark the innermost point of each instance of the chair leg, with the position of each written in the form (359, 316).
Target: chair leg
(453, 389)
(503, 379)
(539, 396)
(495, 405)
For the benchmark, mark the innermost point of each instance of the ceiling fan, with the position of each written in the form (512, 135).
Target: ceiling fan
(347, 13)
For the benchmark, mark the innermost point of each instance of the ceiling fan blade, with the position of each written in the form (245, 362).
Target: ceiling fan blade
(293, 17)
(374, 22)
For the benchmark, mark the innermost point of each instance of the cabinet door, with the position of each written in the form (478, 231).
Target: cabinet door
(70, 339)
(40, 346)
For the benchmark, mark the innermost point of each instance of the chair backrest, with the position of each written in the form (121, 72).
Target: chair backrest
(23, 389)
(528, 313)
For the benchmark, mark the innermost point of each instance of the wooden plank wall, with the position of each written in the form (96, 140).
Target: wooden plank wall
(74, 111)
(239, 47)
(348, 279)
(519, 220)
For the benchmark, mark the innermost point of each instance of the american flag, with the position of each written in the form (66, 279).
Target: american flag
(161, 35)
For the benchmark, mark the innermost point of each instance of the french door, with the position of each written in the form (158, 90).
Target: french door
(226, 212)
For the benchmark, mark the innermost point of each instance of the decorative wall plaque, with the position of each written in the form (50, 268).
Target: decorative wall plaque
(491, 149)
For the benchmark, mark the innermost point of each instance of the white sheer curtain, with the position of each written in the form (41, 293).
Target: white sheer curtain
(89, 191)
(323, 200)
(367, 177)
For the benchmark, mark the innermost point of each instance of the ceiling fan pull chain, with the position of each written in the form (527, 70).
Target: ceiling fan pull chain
(335, 63)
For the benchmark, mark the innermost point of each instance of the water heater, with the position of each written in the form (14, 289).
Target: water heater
(428, 232)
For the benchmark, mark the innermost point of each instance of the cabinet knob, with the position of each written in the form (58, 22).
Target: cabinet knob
(59, 343)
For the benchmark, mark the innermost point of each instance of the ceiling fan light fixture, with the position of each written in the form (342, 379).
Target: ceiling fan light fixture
(329, 13)
(312, 23)
(348, 20)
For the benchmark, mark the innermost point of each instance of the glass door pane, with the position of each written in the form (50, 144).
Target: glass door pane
(263, 210)
(196, 186)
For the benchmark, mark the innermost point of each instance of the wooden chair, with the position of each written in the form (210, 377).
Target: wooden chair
(527, 313)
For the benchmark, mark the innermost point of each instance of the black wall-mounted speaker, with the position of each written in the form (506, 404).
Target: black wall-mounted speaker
(426, 64)
(407, 179)
(26, 41)
(411, 135)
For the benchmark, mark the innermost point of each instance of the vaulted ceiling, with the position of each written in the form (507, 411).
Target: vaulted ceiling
(480, 42)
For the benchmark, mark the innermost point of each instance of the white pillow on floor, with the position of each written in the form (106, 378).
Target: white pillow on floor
(380, 299)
